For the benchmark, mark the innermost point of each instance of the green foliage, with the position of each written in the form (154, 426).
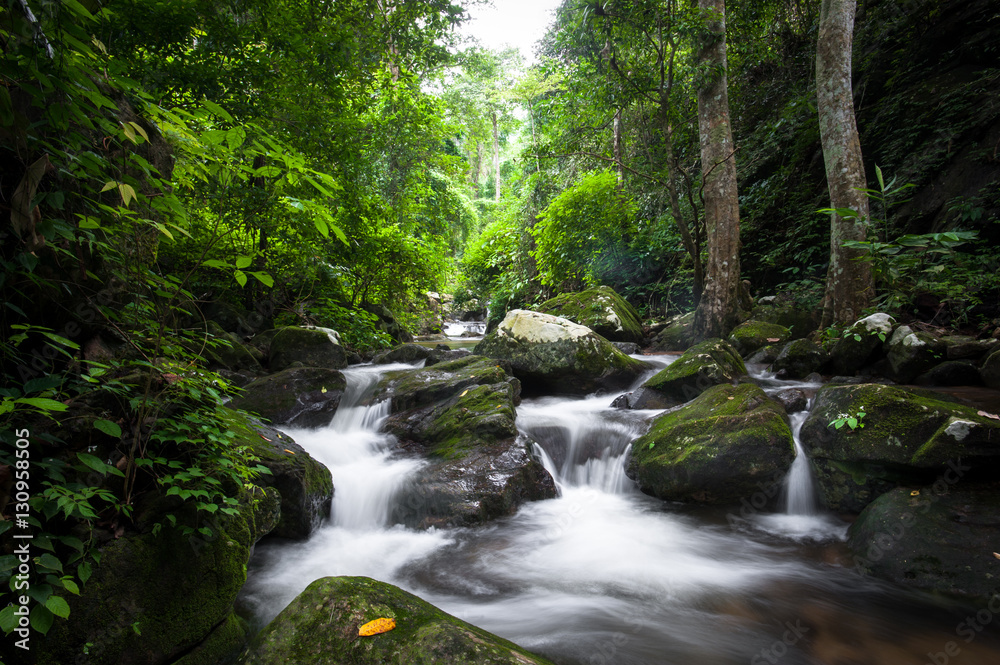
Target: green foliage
(582, 232)
(853, 420)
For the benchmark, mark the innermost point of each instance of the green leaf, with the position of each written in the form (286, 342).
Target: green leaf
(83, 571)
(241, 277)
(41, 618)
(58, 606)
(215, 263)
(42, 403)
(264, 278)
(108, 427)
(70, 586)
(243, 262)
(8, 620)
(99, 466)
(217, 110)
(50, 562)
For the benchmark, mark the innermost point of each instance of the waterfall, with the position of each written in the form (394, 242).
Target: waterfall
(800, 494)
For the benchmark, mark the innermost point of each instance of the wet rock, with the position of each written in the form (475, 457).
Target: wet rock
(704, 365)
(951, 373)
(643, 398)
(961, 347)
(676, 335)
(716, 449)
(765, 355)
(297, 397)
(600, 309)
(912, 353)
(990, 371)
(798, 359)
(305, 485)
(751, 336)
(936, 538)
(799, 320)
(551, 354)
(459, 416)
(156, 597)
(320, 627)
(628, 348)
(908, 437)
(792, 399)
(404, 353)
(312, 347)
(858, 343)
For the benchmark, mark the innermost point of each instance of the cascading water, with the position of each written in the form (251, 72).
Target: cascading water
(603, 573)
(800, 494)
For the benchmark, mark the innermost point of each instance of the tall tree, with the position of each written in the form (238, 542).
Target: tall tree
(718, 310)
(849, 278)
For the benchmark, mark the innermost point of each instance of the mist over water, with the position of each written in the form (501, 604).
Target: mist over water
(603, 573)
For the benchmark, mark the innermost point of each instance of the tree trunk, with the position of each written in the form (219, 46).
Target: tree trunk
(617, 148)
(496, 154)
(718, 311)
(849, 285)
(673, 196)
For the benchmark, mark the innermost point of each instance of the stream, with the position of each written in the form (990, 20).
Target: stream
(604, 573)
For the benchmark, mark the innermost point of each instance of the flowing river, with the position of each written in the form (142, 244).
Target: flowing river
(605, 574)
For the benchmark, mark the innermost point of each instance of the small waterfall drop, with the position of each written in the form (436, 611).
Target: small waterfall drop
(800, 492)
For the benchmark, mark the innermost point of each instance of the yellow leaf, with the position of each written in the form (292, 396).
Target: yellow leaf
(915, 493)
(463, 393)
(289, 451)
(377, 626)
(323, 389)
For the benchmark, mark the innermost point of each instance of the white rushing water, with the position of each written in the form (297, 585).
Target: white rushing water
(601, 574)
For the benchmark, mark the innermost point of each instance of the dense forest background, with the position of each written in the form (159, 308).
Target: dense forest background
(175, 172)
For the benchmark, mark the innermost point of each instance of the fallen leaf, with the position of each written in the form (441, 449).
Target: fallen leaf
(265, 438)
(988, 415)
(774, 339)
(382, 625)
(289, 451)
(323, 389)
(730, 398)
(996, 555)
(463, 394)
(915, 493)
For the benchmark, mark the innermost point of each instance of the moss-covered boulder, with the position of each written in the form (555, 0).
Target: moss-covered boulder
(297, 397)
(860, 345)
(951, 373)
(716, 449)
(909, 437)
(935, 537)
(704, 365)
(460, 417)
(964, 347)
(677, 334)
(312, 347)
(600, 309)
(552, 354)
(226, 350)
(912, 353)
(305, 485)
(750, 336)
(158, 596)
(413, 353)
(784, 312)
(320, 627)
(799, 359)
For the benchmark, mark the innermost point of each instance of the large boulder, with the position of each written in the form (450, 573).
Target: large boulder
(600, 309)
(296, 397)
(459, 416)
(414, 353)
(320, 627)
(912, 353)
(990, 371)
(785, 312)
(908, 437)
(798, 359)
(312, 347)
(552, 354)
(860, 344)
(226, 350)
(704, 365)
(936, 538)
(305, 485)
(677, 334)
(161, 593)
(750, 336)
(717, 449)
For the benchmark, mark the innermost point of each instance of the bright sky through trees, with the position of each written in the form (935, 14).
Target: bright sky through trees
(518, 23)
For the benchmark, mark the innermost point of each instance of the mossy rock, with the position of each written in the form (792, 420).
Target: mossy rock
(704, 365)
(404, 353)
(798, 319)
(934, 537)
(750, 336)
(476, 468)
(677, 335)
(910, 353)
(799, 358)
(860, 345)
(551, 354)
(717, 449)
(156, 596)
(990, 371)
(410, 389)
(600, 309)
(222, 645)
(951, 373)
(320, 627)
(228, 351)
(305, 485)
(908, 437)
(311, 347)
(297, 397)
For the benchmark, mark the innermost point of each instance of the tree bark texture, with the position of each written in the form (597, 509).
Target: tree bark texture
(718, 311)
(849, 285)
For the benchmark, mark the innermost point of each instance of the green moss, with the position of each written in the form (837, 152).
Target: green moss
(750, 336)
(411, 389)
(600, 309)
(704, 365)
(480, 415)
(320, 627)
(222, 645)
(716, 449)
